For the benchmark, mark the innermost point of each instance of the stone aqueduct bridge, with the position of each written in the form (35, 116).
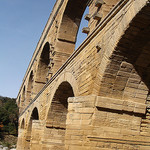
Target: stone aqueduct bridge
(96, 97)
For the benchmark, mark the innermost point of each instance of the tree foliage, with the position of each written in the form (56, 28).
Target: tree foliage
(8, 116)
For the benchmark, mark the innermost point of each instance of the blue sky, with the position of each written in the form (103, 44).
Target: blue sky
(21, 25)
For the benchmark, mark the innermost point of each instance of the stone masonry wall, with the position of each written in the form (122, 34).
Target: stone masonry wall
(99, 98)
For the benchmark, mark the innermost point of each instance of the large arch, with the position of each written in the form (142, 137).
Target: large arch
(57, 115)
(64, 77)
(67, 31)
(42, 70)
(71, 20)
(59, 102)
(127, 73)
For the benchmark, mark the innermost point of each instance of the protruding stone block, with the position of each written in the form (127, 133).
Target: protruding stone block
(86, 30)
(98, 47)
(50, 72)
(99, 3)
(53, 53)
(51, 49)
(51, 61)
(97, 16)
(87, 17)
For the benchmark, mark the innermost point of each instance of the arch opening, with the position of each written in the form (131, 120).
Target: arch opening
(19, 102)
(29, 88)
(83, 28)
(23, 98)
(34, 116)
(127, 75)
(56, 119)
(22, 124)
(42, 71)
(68, 29)
(59, 107)
(71, 20)
(67, 32)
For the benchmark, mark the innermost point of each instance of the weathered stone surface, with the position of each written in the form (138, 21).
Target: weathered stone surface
(94, 98)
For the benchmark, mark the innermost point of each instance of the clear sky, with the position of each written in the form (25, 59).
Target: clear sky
(21, 25)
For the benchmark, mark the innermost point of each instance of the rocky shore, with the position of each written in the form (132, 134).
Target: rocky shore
(6, 148)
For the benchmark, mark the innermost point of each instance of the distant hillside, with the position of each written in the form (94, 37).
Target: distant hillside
(8, 116)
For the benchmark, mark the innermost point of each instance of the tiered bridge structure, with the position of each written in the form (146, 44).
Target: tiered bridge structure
(97, 96)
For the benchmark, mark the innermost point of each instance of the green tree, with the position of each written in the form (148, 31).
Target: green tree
(8, 115)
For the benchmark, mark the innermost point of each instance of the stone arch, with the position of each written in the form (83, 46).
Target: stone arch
(22, 126)
(71, 20)
(126, 75)
(59, 101)
(21, 134)
(67, 77)
(30, 88)
(19, 101)
(42, 70)
(67, 31)
(19, 104)
(57, 114)
(83, 30)
(34, 116)
(23, 97)
(64, 77)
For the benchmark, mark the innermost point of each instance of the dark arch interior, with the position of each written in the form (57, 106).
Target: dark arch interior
(22, 124)
(56, 120)
(127, 76)
(30, 87)
(71, 20)
(129, 68)
(42, 72)
(34, 116)
(23, 94)
(43, 64)
(59, 107)
(23, 97)
(19, 102)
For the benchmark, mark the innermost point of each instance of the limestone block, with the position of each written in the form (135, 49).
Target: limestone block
(87, 17)
(120, 105)
(97, 16)
(99, 3)
(86, 30)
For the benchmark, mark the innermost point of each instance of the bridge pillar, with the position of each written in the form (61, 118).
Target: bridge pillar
(53, 138)
(95, 122)
(79, 122)
(21, 139)
(36, 135)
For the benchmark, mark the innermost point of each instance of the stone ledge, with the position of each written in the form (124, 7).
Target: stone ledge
(119, 141)
(82, 99)
(120, 105)
(109, 103)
